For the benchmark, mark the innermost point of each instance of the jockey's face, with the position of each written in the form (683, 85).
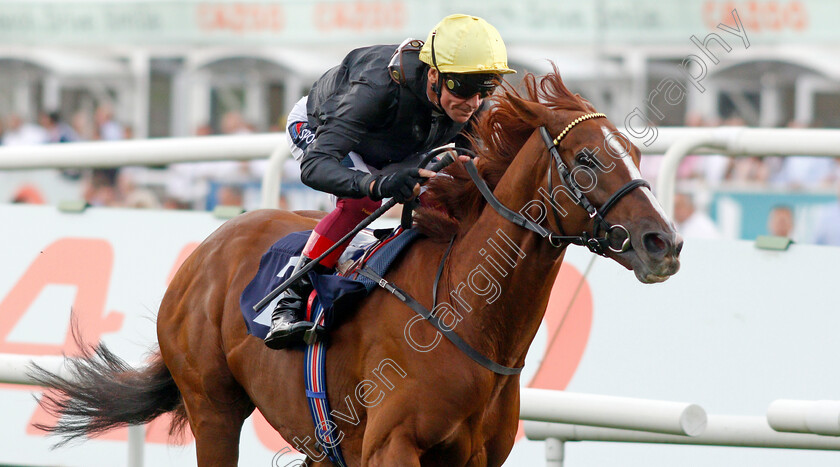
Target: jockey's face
(459, 109)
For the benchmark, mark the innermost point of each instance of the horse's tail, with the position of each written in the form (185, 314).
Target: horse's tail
(102, 392)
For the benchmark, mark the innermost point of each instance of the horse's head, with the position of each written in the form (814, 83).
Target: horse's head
(597, 194)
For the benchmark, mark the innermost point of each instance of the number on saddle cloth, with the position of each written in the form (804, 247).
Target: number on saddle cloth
(337, 294)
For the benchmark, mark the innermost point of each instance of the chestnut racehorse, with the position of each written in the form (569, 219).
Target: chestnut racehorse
(404, 397)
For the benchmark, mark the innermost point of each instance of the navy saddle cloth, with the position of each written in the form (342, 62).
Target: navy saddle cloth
(338, 295)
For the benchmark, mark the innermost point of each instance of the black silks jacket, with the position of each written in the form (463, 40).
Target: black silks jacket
(356, 106)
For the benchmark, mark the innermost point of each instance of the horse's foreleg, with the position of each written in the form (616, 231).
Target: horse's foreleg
(397, 449)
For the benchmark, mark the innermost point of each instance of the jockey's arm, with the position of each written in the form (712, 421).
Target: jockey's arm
(324, 172)
(321, 166)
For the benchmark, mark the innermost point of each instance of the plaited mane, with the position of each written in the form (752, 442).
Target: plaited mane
(497, 136)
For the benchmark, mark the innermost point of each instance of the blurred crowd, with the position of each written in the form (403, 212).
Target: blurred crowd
(205, 185)
(197, 185)
(783, 173)
(700, 176)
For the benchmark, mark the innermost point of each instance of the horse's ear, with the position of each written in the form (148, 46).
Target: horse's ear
(533, 113)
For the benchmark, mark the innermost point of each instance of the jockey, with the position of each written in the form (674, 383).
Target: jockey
(355, 132)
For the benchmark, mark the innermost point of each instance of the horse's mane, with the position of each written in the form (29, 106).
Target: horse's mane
(496, 136)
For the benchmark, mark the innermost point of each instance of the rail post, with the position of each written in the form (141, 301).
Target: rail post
(554, 452)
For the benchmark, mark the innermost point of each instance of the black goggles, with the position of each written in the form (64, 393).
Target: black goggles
(465, 86)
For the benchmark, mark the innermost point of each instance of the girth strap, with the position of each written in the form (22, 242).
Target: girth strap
(461, 344)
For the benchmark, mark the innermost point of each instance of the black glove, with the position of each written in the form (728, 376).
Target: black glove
(398, 185)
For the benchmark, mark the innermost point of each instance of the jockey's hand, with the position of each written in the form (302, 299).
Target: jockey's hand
(402, 185)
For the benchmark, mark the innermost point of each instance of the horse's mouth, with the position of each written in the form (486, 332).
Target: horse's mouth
(652, 278)
(661, 273)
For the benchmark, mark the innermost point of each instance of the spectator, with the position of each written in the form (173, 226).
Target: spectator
(798, 172)
(692, 165)
(229, 195)
(100, 189)
(233, 123)
(83, 126)
(57, 131)
(189, 182)
(691, 222)
(141, 198)
(174, 203)
(780, 221)
(715, 167)
(744, 170)
(20, 133)
(828, 225)
(204, 129)
(28, 194)
(107, 128)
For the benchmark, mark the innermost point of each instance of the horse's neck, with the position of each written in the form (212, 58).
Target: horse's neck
(502, 274)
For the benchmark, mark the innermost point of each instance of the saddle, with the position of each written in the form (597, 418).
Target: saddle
(337, 294)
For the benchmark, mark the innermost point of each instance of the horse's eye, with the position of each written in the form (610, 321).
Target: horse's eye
(584, 159)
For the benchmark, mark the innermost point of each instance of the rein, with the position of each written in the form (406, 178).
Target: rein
(595, 244)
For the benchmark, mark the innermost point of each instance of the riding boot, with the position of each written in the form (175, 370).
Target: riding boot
(287, 320)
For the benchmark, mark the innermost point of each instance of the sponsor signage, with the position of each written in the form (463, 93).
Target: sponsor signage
(282, 22)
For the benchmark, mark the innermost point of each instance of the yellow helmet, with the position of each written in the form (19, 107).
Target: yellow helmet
(465, 44)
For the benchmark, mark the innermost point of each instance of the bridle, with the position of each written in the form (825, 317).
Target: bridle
(599, 245)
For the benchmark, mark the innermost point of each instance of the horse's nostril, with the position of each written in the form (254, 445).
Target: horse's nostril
(679, 247)
(655, 243)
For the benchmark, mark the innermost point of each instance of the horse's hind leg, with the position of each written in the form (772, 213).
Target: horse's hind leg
(215, 403)
(216, 414)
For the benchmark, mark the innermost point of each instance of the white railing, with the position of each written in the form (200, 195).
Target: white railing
(677, 418)
(158, 152)
(788, 424)
(816, 417)
(721, 430)
(14, 368)
(741, 142)
(674, 142)
(558, 416)
(162, 151)
(140, 152)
